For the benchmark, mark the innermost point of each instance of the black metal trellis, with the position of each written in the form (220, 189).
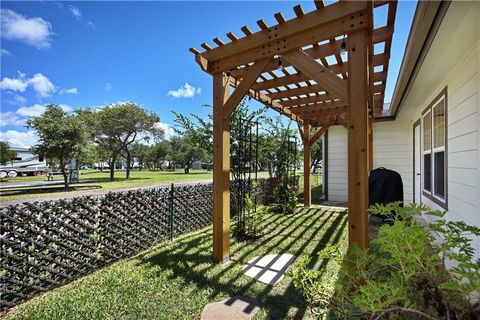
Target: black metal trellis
(244, 169)
(291, 159)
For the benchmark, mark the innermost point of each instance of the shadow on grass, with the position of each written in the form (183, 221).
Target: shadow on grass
(304, 233)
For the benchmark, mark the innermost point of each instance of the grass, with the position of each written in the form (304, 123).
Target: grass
(176, 280)
(102, 182)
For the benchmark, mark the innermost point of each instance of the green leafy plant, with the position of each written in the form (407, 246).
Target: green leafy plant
(286, 195)
(248, 223)
(402, 275)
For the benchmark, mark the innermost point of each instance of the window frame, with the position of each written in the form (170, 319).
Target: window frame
(441, 201)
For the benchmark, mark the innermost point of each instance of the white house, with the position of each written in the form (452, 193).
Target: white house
(430, 131)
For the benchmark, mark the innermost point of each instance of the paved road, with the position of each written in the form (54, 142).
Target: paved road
(97, 193)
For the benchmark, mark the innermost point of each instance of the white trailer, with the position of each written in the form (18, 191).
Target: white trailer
(24, 163)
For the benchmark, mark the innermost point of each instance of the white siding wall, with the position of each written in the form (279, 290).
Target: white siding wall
(337, 164)
(392, 149)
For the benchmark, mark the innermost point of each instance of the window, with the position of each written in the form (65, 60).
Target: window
(434, 150)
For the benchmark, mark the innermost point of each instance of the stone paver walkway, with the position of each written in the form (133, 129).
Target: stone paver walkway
(269, 269)
(234, 308)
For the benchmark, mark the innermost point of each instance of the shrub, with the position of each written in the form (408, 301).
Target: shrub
(248, 222)
(402, 275)
(286, 195)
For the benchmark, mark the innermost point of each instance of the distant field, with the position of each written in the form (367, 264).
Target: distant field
(102, 182)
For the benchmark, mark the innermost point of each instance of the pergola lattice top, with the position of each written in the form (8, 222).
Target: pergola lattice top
(286, 66)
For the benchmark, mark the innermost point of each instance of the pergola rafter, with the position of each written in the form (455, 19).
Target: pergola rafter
(320, 69)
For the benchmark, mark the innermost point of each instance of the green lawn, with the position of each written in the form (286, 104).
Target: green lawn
(102, 182)
(176, 280)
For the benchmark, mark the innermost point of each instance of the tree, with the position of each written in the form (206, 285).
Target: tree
(131, 121)
(118, 126)
(61, 137)
(201, 130)
(272, 145)
(142, 153)
(89, 154)
(185, 151)
(160, 152)
(6, 153)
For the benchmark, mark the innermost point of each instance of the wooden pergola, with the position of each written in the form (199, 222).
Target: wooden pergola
(286, 67)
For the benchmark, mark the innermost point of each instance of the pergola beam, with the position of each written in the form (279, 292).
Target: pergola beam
(332, 21)
(320, 132)
(243, 88)
(306, 112)
(311, 20)
(378, 60)
(315, 71)
(308, 100)
(329, 49)
(297, 92)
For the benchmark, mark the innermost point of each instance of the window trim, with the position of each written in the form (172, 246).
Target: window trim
(442, 202)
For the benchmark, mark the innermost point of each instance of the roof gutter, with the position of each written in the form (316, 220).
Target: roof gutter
(427, 20)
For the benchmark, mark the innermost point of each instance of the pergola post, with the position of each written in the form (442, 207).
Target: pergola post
(358, 138)
(221, 169)
(307, 164)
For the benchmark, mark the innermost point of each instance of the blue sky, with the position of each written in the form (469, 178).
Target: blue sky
(88, 54)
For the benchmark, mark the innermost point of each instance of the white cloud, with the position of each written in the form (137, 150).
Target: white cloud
(10, 118)
(75, 11)
(13, 84)
(37, 110)
(186, 91)
(42, 85)
(33, 111)
(20, 99)
(39, 82)
(34, 31)
(167, 129)
(20, 116)
(17, 100)
(4, 53)
(66, 107)
(19, 139)
(108, 86)
(69, 91)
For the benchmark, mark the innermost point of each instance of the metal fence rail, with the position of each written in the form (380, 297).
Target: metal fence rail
(48, 244)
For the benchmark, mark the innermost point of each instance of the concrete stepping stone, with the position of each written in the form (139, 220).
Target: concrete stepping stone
(269, 269)
(234, 308)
